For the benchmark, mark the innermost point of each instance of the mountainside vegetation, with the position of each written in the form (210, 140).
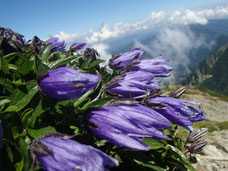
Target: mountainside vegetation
(212, 72)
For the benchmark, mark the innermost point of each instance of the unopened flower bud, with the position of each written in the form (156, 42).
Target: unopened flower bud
(196, 135)
(77, 46)
(66, 83)
(197, 146)
(59, 153)
(178, 93)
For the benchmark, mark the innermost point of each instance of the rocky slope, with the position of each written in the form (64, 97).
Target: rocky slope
(214, 157)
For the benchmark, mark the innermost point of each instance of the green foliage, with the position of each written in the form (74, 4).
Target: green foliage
(212, 72)
(27, 114)
(212, 125)
(213, 93)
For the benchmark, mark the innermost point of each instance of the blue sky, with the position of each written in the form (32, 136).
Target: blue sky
(48, 17)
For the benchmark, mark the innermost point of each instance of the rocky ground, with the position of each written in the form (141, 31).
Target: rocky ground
(214, 157)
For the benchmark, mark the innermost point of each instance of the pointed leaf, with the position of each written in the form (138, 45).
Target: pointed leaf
(36, 133)
(61, 62)
(153, 144)
(96, 62)
(153, 167)
(86, 63)
(82, 98)
(179, 154)
(40, 67)
(100, 102)
(5, 83)
(20, 99)
(44, 53)
(37, 112)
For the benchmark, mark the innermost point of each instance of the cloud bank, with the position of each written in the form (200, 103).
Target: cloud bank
(173, 38)
(175, 44)
(155, 21)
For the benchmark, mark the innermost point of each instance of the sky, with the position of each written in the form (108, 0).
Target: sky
(45, 18)
(110, 25)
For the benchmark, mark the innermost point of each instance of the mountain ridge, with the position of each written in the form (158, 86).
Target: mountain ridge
(211, 73)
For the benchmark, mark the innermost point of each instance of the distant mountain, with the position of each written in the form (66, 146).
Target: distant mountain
(212, 72)
(215, 33)
(215, 30)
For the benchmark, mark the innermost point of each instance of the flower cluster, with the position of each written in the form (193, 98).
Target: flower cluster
(124, 107)
(137, 79)
(9, 39)
(177, 111)
(124, 125)
(56, 45)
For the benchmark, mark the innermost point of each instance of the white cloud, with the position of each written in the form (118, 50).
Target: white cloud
(102, 49)
(71, 38)
(175, 44)
(156, 21)
(173, 38)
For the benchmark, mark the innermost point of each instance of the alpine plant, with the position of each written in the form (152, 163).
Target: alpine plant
(123, 107)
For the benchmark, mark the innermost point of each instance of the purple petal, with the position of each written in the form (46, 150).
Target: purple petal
(65, 83)
(175, 117)
(178, 112)
(178, 104)
(122, 140)
(70, 155)
(124, 125)
(147, 116)
(141, 76)
(148, 66)
(57, 46)
(129, 89)
(121, 61)
(77, 46)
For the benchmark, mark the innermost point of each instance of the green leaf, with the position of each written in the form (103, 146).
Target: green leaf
(20, 165)
(25, 153)
(25, 116)
(3, 102)
(61, 62)
(56, 55)
(16, 133)
(82, 98)
(156, 168)
(99, 102)
(11, 109)
(96, 62)
(44, 53)
(5, 66)
(36, 133)
(13, 67)
(40, 67)
(10, 152)
(76, 129)
(86, 63)
(181, 156)
(18, 82)
(10, 56)
(21, 99)
(37, 112)
(26, 67)
(153, 144)
(6, 83)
